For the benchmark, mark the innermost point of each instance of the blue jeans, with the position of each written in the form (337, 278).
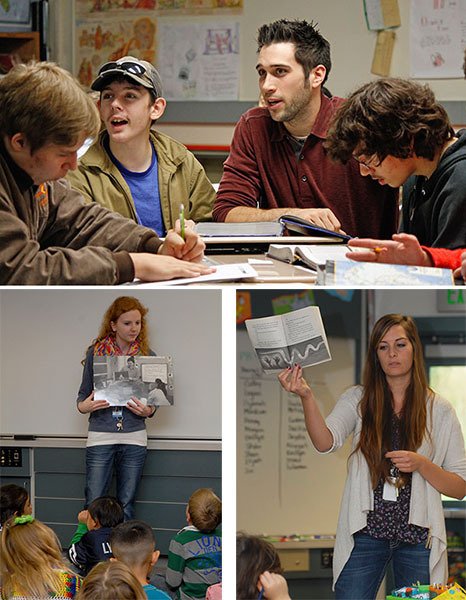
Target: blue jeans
(363, 573)
(128, 461)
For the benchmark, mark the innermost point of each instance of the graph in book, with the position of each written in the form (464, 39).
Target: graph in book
(280, 358)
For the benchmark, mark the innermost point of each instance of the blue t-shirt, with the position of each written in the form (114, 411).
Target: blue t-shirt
(153, 593)
(145, 192)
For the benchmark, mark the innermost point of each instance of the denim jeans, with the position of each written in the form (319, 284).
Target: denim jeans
(128, 461)
(363, 573)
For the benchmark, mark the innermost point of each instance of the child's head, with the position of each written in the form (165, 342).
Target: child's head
(14, 501)
(253, 557)
(30, 553)
(111, 580)
(204, 510)
(133, 543)
(105, 511)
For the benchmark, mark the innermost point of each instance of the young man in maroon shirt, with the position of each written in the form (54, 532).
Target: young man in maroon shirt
(277, 163)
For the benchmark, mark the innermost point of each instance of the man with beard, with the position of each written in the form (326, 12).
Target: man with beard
(277, 163)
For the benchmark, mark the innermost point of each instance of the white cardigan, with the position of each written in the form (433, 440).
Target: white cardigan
(446, 450)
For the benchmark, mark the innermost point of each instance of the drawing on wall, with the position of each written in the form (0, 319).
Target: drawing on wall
(86, 8)
(437, 38)
(148, 378)
(111, 39)
(199, 61)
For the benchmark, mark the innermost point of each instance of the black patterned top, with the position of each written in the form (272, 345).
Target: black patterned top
(389, 520)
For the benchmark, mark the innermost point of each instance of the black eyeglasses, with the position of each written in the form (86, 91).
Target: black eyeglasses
(127, 66)
(371, 163)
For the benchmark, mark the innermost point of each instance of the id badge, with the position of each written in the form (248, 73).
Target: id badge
(390, 491)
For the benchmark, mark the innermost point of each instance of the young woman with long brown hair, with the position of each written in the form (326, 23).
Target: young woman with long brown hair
(117, 436)
(407, 450)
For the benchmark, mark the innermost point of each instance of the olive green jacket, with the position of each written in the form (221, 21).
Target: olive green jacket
(182, 180)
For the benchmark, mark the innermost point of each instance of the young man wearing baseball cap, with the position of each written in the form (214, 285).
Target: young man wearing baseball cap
(132, 169)
(48, 235)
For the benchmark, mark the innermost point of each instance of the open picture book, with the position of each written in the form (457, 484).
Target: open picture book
(295, 337)
(312, 255)
(147, 378)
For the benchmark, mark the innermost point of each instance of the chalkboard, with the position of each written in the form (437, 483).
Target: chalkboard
(282, 483)
(43, 338)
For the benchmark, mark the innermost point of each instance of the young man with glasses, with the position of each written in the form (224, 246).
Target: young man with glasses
(398, 133)
(277, 162)
(48, 235)
(133, 169)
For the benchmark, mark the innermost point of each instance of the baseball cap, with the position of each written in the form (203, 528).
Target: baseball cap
(139, 71)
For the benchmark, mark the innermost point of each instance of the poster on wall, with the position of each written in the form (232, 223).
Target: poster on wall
(199, 61)
(437, 38)
(110, 39)
(86, 8)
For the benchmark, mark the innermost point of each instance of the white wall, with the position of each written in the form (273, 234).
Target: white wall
(43, 338)
(342, 22)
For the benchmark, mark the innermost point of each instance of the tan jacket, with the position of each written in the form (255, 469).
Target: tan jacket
(182, 179)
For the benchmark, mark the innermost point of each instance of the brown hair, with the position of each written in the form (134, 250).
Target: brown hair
(46, 104)
(311, 48)
(13, 499)
(205, 510)
(376, 402)
(253, 557)
(120, 306)
(389, 116)
(30, 559)
(133, 543)
(111, 579)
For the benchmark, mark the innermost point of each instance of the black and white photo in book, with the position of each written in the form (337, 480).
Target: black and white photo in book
(148, 378)
(297, 337)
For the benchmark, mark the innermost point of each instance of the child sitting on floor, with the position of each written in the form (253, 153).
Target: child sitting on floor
(195, 553)
(90, 543)
(111, 580)
(14, 502)
(31, 564)
(133, 543)
(258, 570)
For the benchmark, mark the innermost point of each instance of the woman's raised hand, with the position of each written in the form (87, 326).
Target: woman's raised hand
(90, 405)
(292, 380)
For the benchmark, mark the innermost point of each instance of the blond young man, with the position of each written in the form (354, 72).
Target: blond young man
(48, 235)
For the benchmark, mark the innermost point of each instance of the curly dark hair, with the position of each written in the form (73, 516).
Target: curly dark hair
(389, 116)
(311, 48)
(253, 556)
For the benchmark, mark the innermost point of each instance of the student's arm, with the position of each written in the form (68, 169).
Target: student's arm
(78, 553)
(175, 564)
(78, 534)
(322, 217)
(402, 249)
(274, 585)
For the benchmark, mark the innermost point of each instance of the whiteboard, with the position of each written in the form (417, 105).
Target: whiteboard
(283, 486)
(43, 338)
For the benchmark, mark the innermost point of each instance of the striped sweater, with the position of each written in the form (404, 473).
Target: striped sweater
(194, 562)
